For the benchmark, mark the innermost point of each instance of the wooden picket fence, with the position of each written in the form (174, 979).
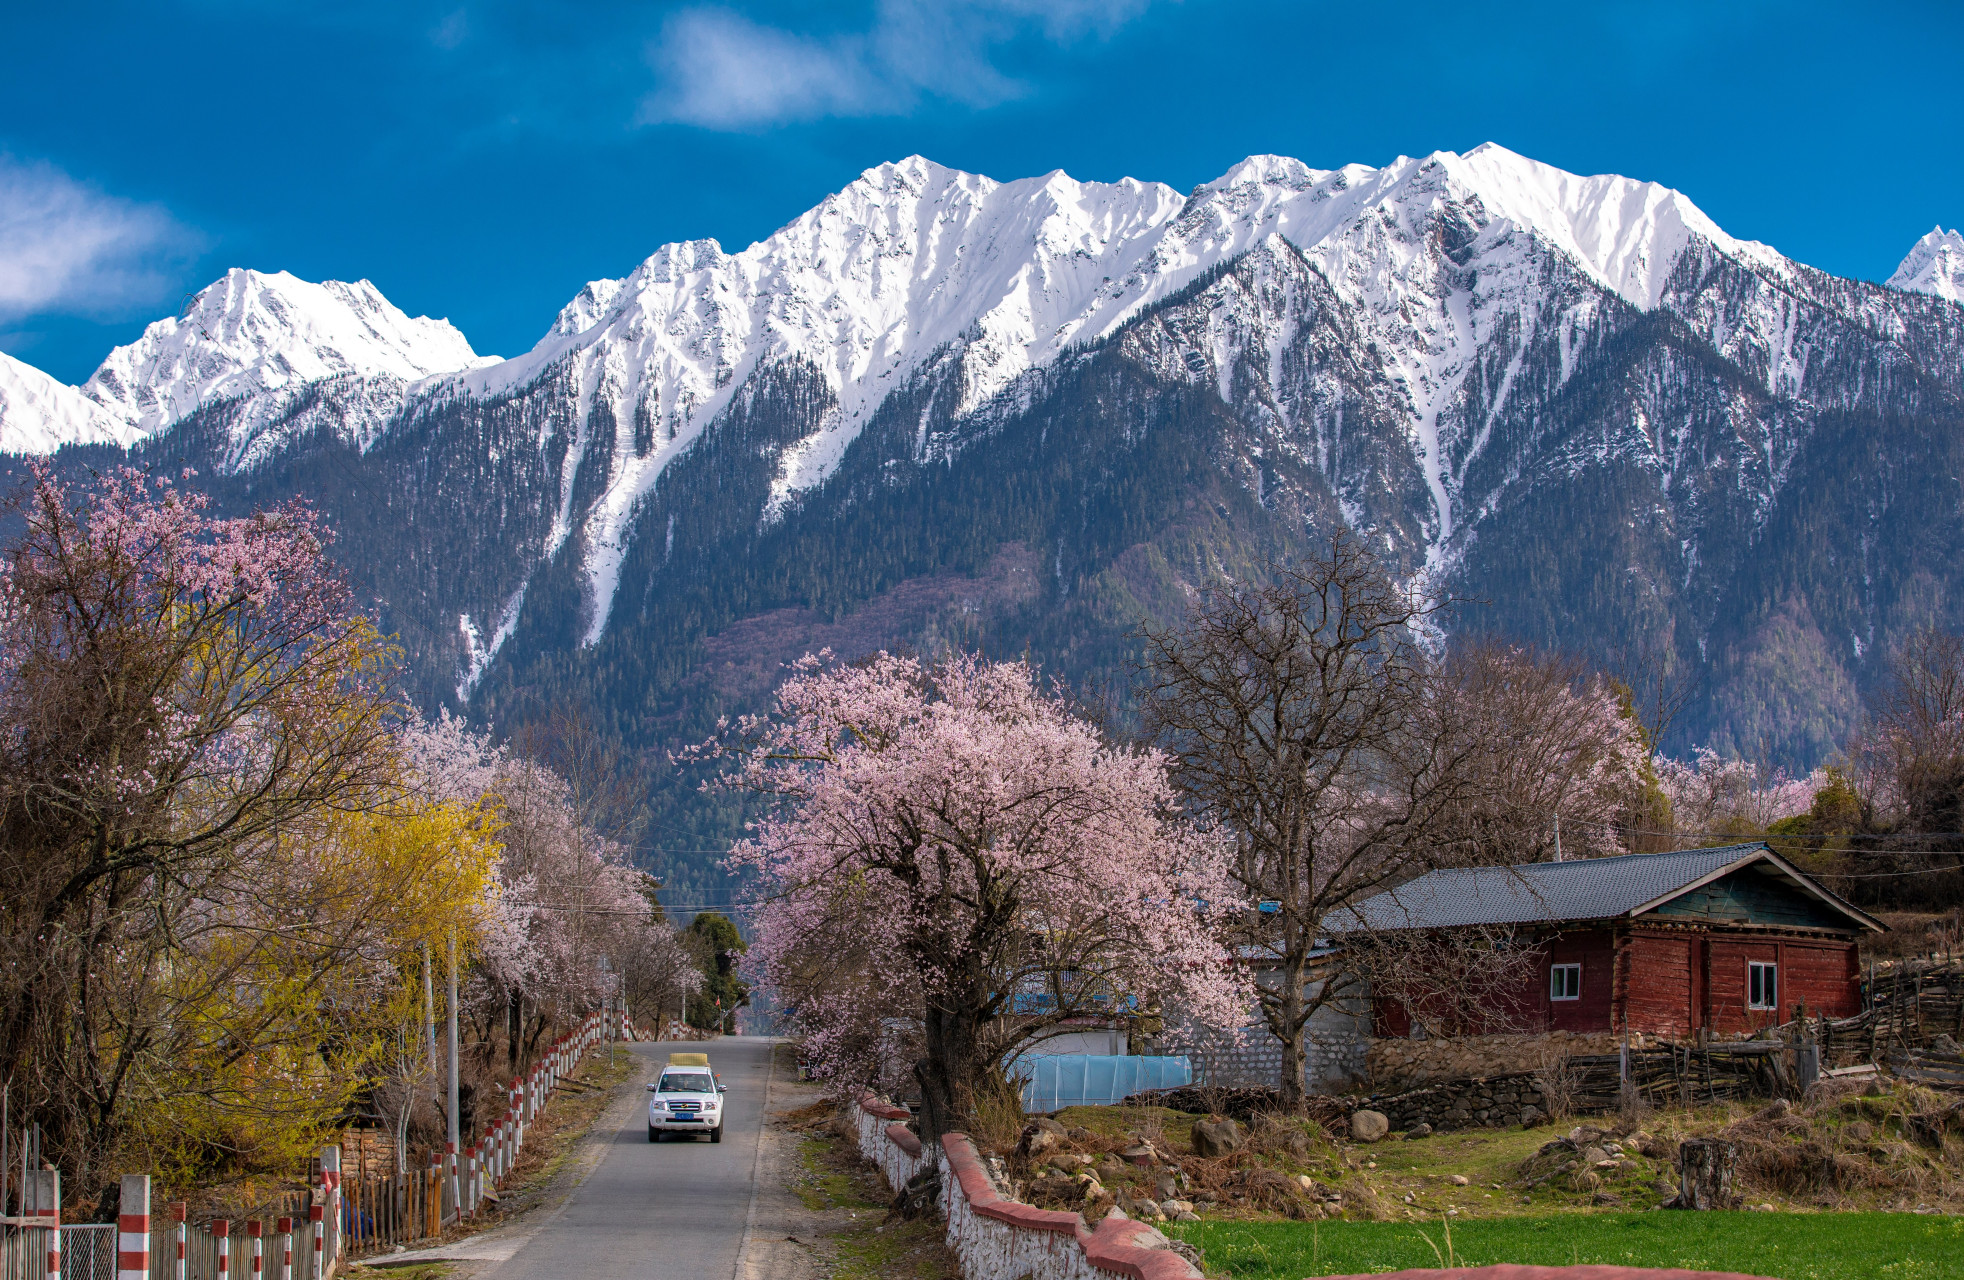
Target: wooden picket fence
(359, 1215)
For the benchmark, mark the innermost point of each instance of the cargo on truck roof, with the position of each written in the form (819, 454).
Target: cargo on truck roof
(688, 1059)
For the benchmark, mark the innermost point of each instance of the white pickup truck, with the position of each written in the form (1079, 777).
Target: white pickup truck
(688, 1099)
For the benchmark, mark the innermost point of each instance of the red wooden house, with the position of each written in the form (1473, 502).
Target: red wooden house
(1732, 939)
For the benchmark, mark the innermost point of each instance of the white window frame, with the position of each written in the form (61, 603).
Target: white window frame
(1767, 999)
(1556, 983)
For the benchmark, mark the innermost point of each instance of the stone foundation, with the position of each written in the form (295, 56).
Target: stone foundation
(1409, 1064)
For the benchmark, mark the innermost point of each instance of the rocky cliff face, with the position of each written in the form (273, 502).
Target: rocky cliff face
(939, 409)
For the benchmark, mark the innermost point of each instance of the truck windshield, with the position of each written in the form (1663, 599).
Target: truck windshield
(687, 1082)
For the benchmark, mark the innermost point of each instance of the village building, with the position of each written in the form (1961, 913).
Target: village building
(1721, 941)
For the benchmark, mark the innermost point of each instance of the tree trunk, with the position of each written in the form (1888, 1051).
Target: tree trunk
(1291, 1028)
(949, 1072)
(1705, 1174)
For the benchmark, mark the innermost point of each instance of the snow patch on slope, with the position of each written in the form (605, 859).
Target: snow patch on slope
(1935, 265)
(39, 415)
(913, 259)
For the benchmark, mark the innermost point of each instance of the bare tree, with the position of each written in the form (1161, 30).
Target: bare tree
(1305, 719)
(1473, 981)
(1560, 749)
(1917, 738)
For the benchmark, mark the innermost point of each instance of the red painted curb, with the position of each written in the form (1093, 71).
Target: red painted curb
(903, 1137)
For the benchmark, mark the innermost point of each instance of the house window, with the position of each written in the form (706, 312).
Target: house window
(1762, 985)
(1565, 982)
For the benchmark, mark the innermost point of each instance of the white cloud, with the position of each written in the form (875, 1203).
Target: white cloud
(719, 69)
(67, 247)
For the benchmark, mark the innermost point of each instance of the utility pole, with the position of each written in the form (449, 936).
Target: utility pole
(455, 1131)
(429, 1009)
(1558, 835)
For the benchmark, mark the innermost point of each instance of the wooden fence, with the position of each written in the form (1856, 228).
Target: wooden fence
(333, 1218)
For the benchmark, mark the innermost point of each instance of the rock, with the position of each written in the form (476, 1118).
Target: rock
(1418, 1131)
(1368, 1126)
(1174, 1208)
(1594, 1155)
(1607, 1163)
(1530, 1117)
(1078, 1133)
(1774, 1109)
(1165, 1186)
(1945, 1045)
(1186, 1215)
(1041, 1135)
(1217, 1137)
(1064, 1161)
(1458, 1180)
(1093, 1189)
(1584, 1180)
(1860, 1131)
(1192, 1253)
(1608, 1199)
(1139, 1153)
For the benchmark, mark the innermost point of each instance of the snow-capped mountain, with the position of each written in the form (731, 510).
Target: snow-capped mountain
(1935, 265)
(276, 357)
(938, 402)
(38, 414)
(914, 261)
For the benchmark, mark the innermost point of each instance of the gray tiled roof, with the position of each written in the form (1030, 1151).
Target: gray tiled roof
(1541, 892)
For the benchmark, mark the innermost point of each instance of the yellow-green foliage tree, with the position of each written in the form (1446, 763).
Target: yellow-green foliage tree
(289, 999)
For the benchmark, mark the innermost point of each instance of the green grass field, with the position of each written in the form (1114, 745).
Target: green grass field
(1789, 1246)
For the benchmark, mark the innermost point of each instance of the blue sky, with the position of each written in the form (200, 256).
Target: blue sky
(482, 160)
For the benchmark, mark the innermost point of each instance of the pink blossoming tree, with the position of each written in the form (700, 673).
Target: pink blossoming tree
(957, 863)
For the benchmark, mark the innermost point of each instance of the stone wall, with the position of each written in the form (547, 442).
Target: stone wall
(1486, 1102)
(995, 1238)
(1408, 1064)
(1337, 1042)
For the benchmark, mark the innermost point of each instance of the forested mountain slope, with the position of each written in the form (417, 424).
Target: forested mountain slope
(1027, 416)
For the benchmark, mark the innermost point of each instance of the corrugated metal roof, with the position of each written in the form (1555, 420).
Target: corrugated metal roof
(1543, 892)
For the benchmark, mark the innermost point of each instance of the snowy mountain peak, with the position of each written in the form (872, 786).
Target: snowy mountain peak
(912, 259)
(251, 335)
(1935, 266)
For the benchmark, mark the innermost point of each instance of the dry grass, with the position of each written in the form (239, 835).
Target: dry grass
(1844, 1149)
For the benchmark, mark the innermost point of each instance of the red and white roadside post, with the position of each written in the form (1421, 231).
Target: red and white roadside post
(256, 1263)
(452, 1184)
(316, 1228)
(133, 1228)
(179, 1211)
(285, 1227)
(331, 1202)
(42, 1192)
(221, 1231)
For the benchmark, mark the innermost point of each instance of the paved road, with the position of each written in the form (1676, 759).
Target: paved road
(655, 1211)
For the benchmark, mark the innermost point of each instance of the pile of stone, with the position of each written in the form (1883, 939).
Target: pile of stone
(1588, 1160)
(1056, 1167)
